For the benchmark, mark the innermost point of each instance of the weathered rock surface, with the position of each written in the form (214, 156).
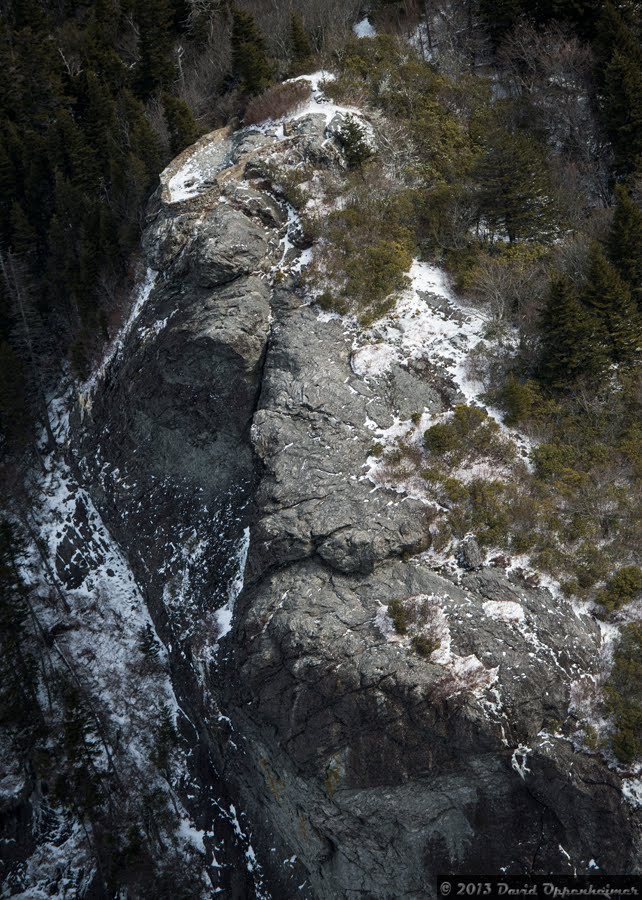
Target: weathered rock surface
(235, 404)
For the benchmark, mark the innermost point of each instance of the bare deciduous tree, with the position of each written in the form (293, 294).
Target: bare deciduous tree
(554, 70)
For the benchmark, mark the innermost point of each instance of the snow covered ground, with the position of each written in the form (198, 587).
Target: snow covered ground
(200, 171)
(364, 29)
(85, 596)
(415, 329)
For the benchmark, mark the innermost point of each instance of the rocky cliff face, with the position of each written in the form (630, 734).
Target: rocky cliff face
(364, 766)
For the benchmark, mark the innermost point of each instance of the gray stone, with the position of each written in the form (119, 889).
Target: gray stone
(227, 246)
(376, 767)
(469, 555)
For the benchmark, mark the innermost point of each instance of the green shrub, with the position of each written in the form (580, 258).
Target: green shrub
(590, 565)
(367, 250)
(377, 271)
(459, 521)
(353, 140)
(441, 438)
(591, 738)
(425, 646)
(621, 588)
(447, 436)
(520, 400)
(456, 491)
(399, 615)
(554, 460)
(330, 303)
(490, 514)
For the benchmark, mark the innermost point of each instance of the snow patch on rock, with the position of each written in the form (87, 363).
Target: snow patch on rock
(114, 350)
(225, 614)
(199, 173)
(364, 29)
(632, 791)
(506, 610)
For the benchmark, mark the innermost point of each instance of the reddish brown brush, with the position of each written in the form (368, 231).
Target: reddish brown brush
(277, 101)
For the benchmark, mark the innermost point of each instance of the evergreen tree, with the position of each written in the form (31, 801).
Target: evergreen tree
(155, 68)
(142, 141)
(301, 46)
(618, 51)
(82, 784)
(573, 343)
(148, 643)
(182, 126)
(356, 148)
(30, 339)
(625, 242)
(615, 30)
(18, 667)
(499, 17)
(623, 109)
(15, 420)
(514, 191)
(609, 300)
(583, 14)
(23, 234)
(249, 58)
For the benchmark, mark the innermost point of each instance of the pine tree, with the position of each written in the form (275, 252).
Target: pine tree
(23, 234)
(30, 339)
(143, 143)
(625, 242)
(18, 667)
(15, 419)
(301, 46)
(155, 68)
(623, 109)
(514, 191)
(182, 126)
(166, 738)
(615, 30)
(583, 14)
(356, 148)
(249, 58)
(148, 643)
(499, 16)
(573, 345)
(609, 300)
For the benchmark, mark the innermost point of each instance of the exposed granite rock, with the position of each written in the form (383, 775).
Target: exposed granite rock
(383, 769)
(470, 556)
(226, 246)
(377, 767)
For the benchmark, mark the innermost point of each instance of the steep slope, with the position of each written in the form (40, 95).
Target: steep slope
(366, 760)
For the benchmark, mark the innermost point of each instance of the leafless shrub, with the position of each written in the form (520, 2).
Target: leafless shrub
(396, 149)
(554, 69)
(511, 290)
(277, 101)
(156, 118)
(203, 72)
(327, 22)
(452, 36)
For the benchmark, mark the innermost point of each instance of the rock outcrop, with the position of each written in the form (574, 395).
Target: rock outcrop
(369, 765)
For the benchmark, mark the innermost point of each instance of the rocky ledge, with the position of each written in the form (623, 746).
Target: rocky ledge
(366, 764)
